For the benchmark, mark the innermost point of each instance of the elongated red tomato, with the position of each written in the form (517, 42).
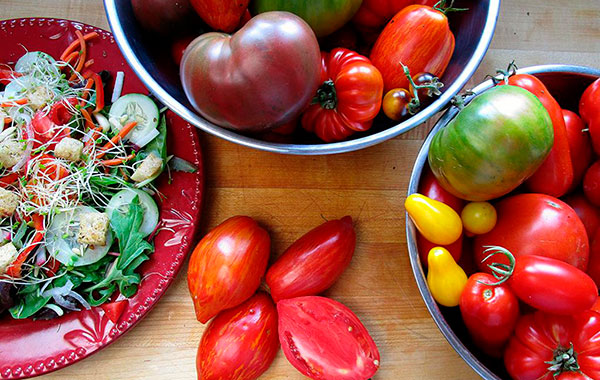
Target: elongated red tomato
(314, 262)
(589, 110)
(536, 224)
(427, 51)
(349, 97)
(240, 343)
(548, 347)
(227, 265)
(323, 339)
(374, 14)
(555, 176)
(430, 187)
(580, 146)
(552, 285)
(489, 312)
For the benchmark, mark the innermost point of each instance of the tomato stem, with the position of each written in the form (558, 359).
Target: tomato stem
(433, 88)
(565, 360)
(441, 6)
(501, 271)
(326, 95)
(503, 75)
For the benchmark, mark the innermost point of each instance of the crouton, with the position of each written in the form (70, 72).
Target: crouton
(39, 97)
(8, 254)
(8, 202)
(69, 149)
(148, 168)
(93, 227)
(11, 152)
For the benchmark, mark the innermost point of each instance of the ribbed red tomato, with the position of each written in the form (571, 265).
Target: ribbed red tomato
(489, 312)
(227, 265)
(580, 146)
(536, 224)
(240, 343)
(419, 37)
(549, 347)
(349, 97)
(314, 262)
(324, 339)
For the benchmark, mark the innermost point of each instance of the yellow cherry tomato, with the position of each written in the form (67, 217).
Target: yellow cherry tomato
(436, 221)
(479, 217)
(395, 104)
(445, 278)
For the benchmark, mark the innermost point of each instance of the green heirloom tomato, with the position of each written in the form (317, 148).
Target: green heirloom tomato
(492, 145)
(323, 16)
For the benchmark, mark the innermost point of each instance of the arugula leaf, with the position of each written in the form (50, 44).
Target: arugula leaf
(29, 302)
(125, 222)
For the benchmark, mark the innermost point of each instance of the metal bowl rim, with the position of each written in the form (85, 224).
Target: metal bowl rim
(303, 149)
(413, 252)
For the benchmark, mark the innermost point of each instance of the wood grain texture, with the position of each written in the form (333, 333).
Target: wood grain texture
(290, 195)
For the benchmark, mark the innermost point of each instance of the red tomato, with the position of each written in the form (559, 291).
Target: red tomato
(589, 110)
(323, 339)
(48, 126)
(374, 14)
(114, 310)
(240, 343)
(314, 262)
(227, 265)
(178, 47)
(591, 183)
(551, 285)
(489, 312)
(222, 15)
(587, 212)
(62, 112)
(580, 146)
(430, 187)
(596, 306)
(536, 224)
(555, 176)
(349, 97)
(541, 339)
(427, 51)
(594, 265)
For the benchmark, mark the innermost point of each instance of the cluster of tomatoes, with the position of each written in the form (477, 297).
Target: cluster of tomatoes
(321, 337)
(533, 253)
(324, 65)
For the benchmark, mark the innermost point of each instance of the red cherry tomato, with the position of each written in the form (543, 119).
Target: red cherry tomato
(555, 176)
(227, 265)
(48, 126)
(489, 312)
(240, 343)
(587, 212)
(542, 339)
(314, 262)
(591, 183)
(589, 110)
(62, 112)
(323, 339)
(580, 146)
(536, 224)
(430, 187)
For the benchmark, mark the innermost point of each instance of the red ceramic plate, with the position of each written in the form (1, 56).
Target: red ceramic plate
(30, 348)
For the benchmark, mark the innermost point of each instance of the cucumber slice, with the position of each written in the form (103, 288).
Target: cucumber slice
(37, 62)
(151, 213)
(136, 107)
(61, 239)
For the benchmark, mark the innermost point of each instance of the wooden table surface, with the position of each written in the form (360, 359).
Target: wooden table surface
(290, 195)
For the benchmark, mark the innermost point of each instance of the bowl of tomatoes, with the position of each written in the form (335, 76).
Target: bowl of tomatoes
(290, 78)
(502, 224)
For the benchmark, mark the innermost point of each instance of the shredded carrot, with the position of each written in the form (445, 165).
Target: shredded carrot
(14, 269)
(13, 103)
(86, 91)
(75, 43)
(71, 57)
(7, 120)
(88, 119)
(117, 161)
(88, 63)
(82, 55)
(113, 142)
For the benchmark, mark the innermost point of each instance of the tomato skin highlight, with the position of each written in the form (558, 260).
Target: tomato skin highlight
(227, 265)
(538, 336)
(239, 343)
(552, 285)
(536, 224)
(429, 50)
(555, 175)
(489, 312)
(313, 263)
(324, 339)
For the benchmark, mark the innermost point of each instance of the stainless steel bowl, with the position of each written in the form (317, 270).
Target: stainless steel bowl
(473, 30)
(566, 83)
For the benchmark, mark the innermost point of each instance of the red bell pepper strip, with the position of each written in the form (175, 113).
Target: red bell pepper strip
(14, 269)
(9, 179)
(555, 175)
